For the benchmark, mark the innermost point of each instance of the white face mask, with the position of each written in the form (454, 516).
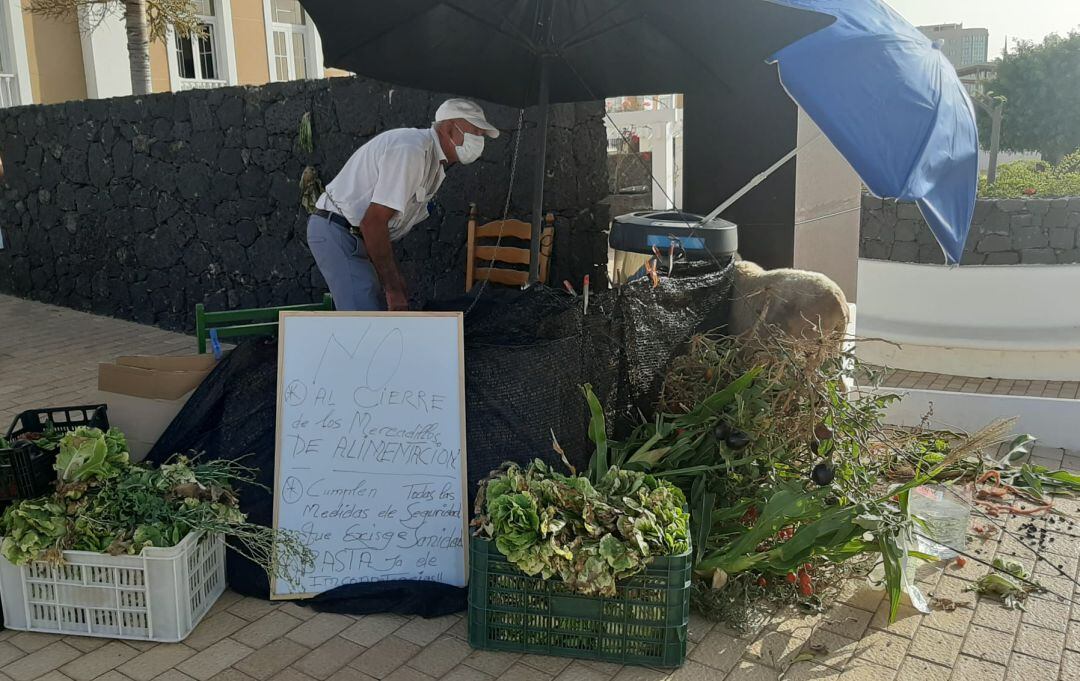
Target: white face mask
(470, 148)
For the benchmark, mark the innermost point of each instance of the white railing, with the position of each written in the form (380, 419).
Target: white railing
(200, 84)
(9, 90)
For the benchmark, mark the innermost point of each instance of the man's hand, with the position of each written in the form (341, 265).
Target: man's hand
(376, 232)
(397, 301)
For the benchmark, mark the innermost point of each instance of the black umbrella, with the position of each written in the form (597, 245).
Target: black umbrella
(535, 52)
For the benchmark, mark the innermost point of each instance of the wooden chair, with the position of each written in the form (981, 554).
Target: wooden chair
(482, 259)
(233, 324)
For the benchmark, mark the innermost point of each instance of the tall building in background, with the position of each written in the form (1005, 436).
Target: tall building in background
(962, 46)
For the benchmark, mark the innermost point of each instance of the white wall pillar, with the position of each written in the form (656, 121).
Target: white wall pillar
(11, 12)
(105, 54)
(828, 201)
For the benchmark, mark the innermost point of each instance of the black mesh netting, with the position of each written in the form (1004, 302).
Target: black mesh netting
(527, 354)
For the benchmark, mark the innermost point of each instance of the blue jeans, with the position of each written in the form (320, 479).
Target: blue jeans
(344, 264)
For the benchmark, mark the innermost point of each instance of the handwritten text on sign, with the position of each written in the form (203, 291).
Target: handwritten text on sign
(370, 451)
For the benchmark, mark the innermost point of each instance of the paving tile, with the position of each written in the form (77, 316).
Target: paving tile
(829, 649)
(880, 648)
(9, 653)
(974, 669)
(775, 647)
(155, 661)
(272, 658)
(95, 663)
(935, 646)
(914, 669)
(460, 629)
(320, 629)
(1038, 642)
(371, 629)
(954, 622)
(1048, 615)
(866, 672)
(846, 621)
(906, 623)
(464, 673)
(407, 674)
(577, 671)
(748, 671)
(350, 674)
(441, 656)
(549, 664)
(232, 674)
(517, 672)
(385, 656)
(1072, 636)
(252, 609)
(698, 627)
(54, 676)
(329, 657)
(290, 674)
(988, 644)
(1070, 666)
(720, 651)
(492, 662)
(85, 643)
(800, 671)
(989, 613)
(423, 631)
(213, 629)
(205, 664)
(858, 594)
(298, 611)
(29, 641)
(41, 661)
(265, 629)
(1024, 668)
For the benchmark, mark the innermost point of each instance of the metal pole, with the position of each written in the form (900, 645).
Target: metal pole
(995, 142)
(538, 178)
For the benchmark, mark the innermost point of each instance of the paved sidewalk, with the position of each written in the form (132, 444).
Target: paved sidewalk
(49, 358)
(902, 378)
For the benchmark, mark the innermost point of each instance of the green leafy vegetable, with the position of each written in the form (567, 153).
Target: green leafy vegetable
(590, 536)
(88, 454)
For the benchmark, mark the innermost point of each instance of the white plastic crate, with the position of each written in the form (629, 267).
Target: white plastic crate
(159, 595)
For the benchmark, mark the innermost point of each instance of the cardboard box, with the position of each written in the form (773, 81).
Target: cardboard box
(145, 393)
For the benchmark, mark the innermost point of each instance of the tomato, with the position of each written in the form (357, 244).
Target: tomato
(960, 562)
(762, 582)
(791, 577)
(805, 587)
(807, 567)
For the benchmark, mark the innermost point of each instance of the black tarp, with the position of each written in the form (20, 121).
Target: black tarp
(527, 354)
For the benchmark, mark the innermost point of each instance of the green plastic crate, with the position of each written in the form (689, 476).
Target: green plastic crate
(644, 623)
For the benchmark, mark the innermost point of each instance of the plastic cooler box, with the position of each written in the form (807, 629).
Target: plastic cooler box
(158, 595)
(645, 623)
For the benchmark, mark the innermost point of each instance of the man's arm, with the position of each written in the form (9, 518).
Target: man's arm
(375, 227)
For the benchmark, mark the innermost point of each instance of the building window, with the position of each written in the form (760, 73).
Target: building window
(197, 54)
(291, 40)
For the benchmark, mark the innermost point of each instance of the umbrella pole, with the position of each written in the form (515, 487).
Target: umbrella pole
(538, 178)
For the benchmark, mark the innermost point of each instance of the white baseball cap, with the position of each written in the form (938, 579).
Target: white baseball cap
(468, 110)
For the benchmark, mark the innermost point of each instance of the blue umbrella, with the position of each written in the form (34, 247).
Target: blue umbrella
(892, 104)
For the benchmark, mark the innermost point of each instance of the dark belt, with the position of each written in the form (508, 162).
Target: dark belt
(337, 219)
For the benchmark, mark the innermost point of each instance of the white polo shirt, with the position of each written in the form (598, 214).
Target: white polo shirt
(400, 169)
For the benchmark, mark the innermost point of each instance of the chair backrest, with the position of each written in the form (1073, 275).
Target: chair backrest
(484, 258)
(233, 324)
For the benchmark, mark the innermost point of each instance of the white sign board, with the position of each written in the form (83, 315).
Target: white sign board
(370, 465)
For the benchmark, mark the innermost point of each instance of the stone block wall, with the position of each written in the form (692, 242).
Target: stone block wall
(141, 207)
(1003, 232)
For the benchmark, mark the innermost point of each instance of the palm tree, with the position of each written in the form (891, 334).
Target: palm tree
(145, 20)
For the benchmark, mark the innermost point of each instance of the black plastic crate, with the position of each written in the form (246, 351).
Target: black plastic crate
(26, 470)
(645, 623)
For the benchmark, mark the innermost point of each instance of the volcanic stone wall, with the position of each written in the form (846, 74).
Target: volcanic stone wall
(141, 207)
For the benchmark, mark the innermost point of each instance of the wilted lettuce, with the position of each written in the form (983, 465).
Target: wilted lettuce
(88, 454)
(554, 525)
